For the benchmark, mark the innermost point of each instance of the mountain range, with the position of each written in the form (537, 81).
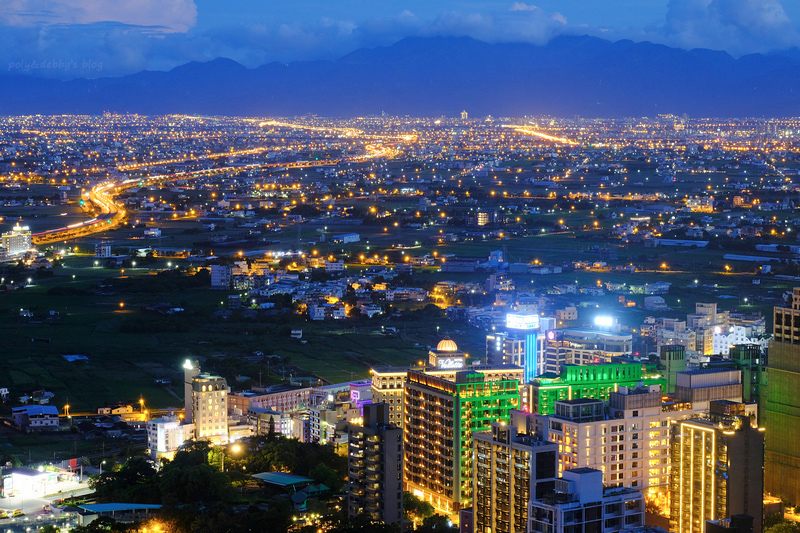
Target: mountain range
(435, 76)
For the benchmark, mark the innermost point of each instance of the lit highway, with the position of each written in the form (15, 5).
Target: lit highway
(102, 195)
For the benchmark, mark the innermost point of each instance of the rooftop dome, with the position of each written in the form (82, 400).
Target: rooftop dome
(446, 345)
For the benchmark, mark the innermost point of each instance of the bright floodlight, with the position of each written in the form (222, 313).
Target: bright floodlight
(603, 321)
(188, 365)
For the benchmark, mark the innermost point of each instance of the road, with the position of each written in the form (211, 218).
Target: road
(33, 508)
(102, 196)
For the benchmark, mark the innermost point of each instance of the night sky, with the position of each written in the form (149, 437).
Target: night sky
(111, 37)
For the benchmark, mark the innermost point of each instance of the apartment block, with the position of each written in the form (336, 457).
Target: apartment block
(511, 467)
(375, 467)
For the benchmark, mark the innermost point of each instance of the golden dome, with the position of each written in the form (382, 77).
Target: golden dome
(446, 345)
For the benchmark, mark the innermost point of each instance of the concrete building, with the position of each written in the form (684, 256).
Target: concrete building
(582, 505)
(375, 467)
(673, 359)
(440, 419)
(388, 383)
(586, 381)
(717, 469)
(782, 405)
(584, 346)
(17, 241)
(165, 435)
(512, 466)
(629, 443)
(35, 417)
(209, 408)
(699, 386)
(725, 339)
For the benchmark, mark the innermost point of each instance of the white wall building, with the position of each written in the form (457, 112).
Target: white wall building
(725, 338)
(165, 435)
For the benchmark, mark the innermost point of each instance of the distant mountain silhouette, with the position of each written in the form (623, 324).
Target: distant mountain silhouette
(436, 76)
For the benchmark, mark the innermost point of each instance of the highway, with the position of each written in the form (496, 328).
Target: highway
(102, 196)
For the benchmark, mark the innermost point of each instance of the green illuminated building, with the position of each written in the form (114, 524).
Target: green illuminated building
(781, 407)
(596, 381)
(440, 418)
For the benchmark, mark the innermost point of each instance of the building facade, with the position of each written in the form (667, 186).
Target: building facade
(586, 381)
(717, 471)
(581, 504)
(782, 404)
(511, 467)
(440, 419)
(375, 467)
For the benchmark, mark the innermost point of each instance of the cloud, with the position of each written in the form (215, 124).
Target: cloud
(737, 26)
(160, 34)
(160, 15)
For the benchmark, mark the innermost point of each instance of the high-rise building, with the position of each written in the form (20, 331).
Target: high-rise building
(17, 241)
(582, 505)
(440, 419)
(209, 409)
(375, 466)
(521, 344)
(782, 405)
(717, 469)
(511, 467)
(586, 381)
(388, 383)
(673, 359)
(628, 443)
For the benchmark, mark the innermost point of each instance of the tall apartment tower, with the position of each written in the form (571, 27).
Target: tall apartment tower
(210, 408)
(440, 419)
(782, 405)
(375, 466)
(673, 359)
(717, 471)
(511, 467)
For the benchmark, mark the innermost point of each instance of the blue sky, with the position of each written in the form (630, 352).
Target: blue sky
(69, 38)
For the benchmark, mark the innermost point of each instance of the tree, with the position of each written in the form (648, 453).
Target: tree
(416, 509)
(322, 473)
(437, 524)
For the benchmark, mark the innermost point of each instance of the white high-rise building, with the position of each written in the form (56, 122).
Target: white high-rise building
(17, 241)
(209, 410)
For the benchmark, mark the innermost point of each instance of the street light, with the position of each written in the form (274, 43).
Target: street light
(101, 467)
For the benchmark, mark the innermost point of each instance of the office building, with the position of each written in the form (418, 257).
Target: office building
(581, 504)
(717, 469)
(782, 405)
(375, 467)
(440, 419)
(586, 381)
(511, 467)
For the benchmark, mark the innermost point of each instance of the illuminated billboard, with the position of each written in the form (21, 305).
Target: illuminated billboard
(514, 321)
